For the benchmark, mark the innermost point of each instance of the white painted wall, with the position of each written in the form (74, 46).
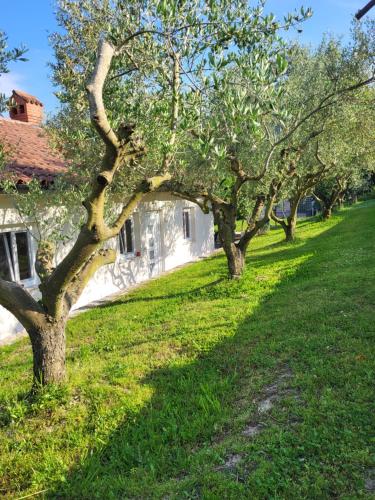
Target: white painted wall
(127, 270)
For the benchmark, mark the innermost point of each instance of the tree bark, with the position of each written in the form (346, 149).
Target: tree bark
(290, 229)
(47, 336)
(48, 345)
(326, 205)
(288, 225)
(326, 212)
(341, 202)
(235, 259)
(225, 214)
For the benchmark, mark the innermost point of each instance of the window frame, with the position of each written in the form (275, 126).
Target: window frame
(127, 254)
(14, 271)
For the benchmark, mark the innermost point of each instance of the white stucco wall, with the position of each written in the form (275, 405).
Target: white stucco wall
(128, 270)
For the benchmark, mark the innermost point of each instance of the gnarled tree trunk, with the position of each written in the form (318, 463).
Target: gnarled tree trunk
(236, 260)
(326, 205)
(290, 230)
(327, 202)
(225, 215)
(290, 233)
(340, 201)
(326, 212)
(48, 346)
(290, 223)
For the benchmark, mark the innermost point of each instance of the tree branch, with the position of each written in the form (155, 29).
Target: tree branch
(95, 230)
(99, 259)
(147, 186)
(252, 231)
(316, 197)
(44, 259)
(195, 196)
(176, 82)
(18, 301)
(323, 104)
(265, 165)
(277, 219)
(203, 205)
(95, 94)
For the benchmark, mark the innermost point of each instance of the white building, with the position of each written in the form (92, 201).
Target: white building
(164, 231)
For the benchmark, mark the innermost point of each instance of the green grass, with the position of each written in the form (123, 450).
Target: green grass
(163, 383)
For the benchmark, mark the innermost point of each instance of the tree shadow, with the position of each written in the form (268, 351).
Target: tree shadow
(191, 404)
(129, 300)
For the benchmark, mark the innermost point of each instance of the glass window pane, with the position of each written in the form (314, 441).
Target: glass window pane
(129, 235)
(4, 264)
(186, 221)
(122, 241)
(8, 241)
(23, 255)
(188, 224)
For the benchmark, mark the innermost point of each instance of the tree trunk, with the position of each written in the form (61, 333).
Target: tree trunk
(49, 354)
(290, 230)
(326, 212)
(226, 220)
(289, 226)
(235, 259)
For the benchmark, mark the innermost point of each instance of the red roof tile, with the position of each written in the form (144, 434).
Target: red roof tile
(27, 146)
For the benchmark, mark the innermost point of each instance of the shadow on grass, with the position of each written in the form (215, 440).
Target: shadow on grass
(161, 448)
(152, 298)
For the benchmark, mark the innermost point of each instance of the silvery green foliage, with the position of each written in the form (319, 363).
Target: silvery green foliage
(231, 58)
(348, 143)
(343, 125)
(231, 64)
(7, 56)
(52, 214)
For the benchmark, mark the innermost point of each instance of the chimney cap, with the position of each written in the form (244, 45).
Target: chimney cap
(27, 97)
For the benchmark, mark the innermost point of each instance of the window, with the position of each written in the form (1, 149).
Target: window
(15, 261)
(186, 219)
(126, 237)
(21, 109)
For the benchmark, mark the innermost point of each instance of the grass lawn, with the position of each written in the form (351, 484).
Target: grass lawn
(196, 387)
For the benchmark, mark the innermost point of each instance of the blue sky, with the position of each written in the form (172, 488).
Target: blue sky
(31, 21)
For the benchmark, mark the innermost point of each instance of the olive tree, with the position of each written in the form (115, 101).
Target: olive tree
(346, 152)
(129, 103)
(329, 68)
(258, 117)
(351, 160)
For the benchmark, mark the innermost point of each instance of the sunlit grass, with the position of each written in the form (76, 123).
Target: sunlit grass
(163, 382)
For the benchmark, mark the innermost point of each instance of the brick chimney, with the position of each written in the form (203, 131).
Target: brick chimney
(25, 108)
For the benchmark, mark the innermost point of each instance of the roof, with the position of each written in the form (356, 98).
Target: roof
(26, 145)
(27, 97)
